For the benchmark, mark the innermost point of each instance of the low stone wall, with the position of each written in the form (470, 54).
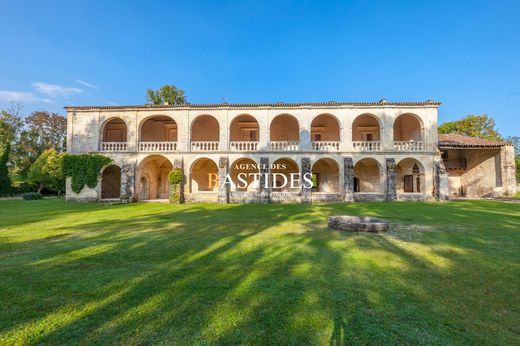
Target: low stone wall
(201, 197)
(413, 197)
(286, 197)
(245, 197)
(324, 197)
(369, 197)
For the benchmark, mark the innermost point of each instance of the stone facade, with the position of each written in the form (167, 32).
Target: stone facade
(355, 151)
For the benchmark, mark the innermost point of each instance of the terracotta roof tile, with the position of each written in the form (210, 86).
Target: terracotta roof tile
(466, 141)
(382, 103)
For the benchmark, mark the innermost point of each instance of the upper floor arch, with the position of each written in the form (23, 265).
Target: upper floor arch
(284, 127)
(114, 129)
(325, 127)
(408, 127)
(205, 128)
(366, 127)
(158, 128)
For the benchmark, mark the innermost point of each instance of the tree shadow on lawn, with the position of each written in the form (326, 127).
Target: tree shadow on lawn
(277, 276)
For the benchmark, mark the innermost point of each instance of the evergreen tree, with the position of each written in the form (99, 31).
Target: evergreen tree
(5, 181)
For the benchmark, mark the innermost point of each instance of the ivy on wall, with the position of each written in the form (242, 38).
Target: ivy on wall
(84, 169)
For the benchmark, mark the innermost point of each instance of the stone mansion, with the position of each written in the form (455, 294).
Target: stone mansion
(373, 151)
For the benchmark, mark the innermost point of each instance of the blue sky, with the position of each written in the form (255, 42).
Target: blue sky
(464, 54)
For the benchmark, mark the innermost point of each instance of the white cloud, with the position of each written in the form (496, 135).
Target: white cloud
(18, 96)
(54, 90)
(82, 82)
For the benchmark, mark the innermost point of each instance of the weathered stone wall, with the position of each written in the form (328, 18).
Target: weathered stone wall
(87, 194)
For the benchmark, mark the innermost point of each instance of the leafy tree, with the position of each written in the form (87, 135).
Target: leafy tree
(166, 94)
(5, 181)
(47, 171)
(10, 126)
(480, 126)
(41, 131)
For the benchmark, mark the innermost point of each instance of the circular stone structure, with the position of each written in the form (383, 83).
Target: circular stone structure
(358, 223)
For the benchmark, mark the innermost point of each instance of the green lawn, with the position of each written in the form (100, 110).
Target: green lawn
(448, 273)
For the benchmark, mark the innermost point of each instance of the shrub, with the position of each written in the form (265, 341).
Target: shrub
(175, 178)
(31, 196)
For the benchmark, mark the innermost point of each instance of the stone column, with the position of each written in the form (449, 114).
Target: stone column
(265, 192)
(306, 192)
(179, 163)
(348, 179)
(441, 182)
(391, 179)
(128, 172)
(223, 189)
(509, 171)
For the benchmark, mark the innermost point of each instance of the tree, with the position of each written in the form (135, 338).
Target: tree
(41, 131)
(10, 126)
(480, 126)
(166, 94)
(5, 181)
(47, 171)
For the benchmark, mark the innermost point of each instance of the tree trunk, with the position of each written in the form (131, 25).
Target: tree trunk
(40, 188)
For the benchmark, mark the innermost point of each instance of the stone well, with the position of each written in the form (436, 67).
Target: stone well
(358, 223)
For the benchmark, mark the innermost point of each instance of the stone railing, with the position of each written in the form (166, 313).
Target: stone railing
(204, 146)
(157, 146)
(284, 145)
(243, 146)
(325, 145)
(367, 145)
(112, 146)
(408, 146)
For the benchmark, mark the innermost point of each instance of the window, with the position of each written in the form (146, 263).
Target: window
(317, 137)
(250, 135)
(370, 137)
(315, 180)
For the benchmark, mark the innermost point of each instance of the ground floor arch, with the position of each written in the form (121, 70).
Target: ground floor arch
(325, 176)
(410, 176)
(203, 176)
(111, 182)
(368, 176)
(244, 172)
(152, 179)
(281, 171)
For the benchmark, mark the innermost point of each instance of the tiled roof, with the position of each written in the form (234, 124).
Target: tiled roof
(382, 103)
(460, 141)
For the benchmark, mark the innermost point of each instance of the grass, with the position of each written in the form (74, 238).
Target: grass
(448, 273)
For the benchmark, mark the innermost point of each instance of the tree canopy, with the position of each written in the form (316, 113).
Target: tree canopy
(481, 126)
(47, 171)
(166, 94)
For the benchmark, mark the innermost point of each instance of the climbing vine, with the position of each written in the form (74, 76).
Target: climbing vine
(84, 169)
(175, 177)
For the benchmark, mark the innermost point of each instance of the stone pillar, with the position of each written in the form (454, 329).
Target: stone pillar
(306, 192)
(179, 164)
(391, 180)
(441, 182)
(128, 172)
(223, 189)
(265, 192)
(348, 179)
(509, 171)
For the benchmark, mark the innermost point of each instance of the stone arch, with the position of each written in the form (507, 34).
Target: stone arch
(247, 167)
(366, 127)
(154, 169)
(158, 128)
(410, 176)
(114, 130)
(325, 127)
(244, 128)
(204, 175)
(367, 172)
(408, 127)
(281, 171)
(111, 182)
(284, 127)
(205, 128)
(326, 176)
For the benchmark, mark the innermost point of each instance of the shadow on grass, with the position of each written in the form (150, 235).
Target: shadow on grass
(249, 274)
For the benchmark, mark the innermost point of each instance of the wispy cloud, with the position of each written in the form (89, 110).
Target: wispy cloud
(87, 84)
(54, 90)
(21, 96)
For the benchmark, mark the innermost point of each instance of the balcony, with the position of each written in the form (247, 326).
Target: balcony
(285, 145)
(367, 145)
(243, 146)
(200, 146)
(325, 145)
(408, 145)
(158, 146)
(112, 147)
